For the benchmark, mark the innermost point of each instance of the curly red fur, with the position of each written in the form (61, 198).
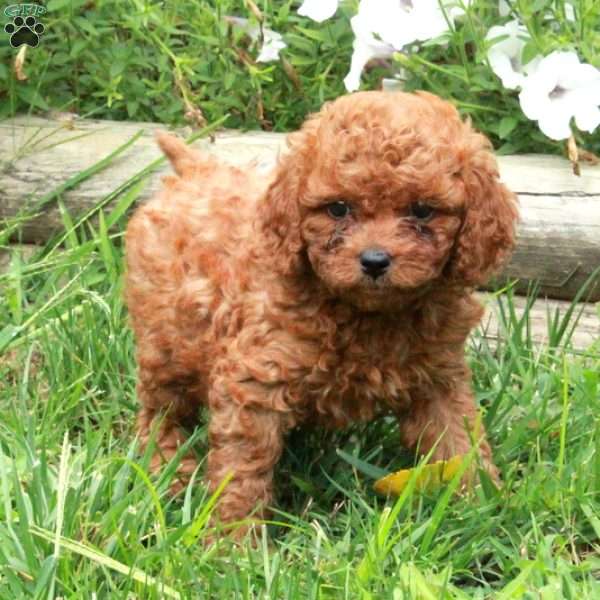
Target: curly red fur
(247, 296)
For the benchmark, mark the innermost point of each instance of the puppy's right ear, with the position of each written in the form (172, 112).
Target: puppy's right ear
(280, 208)
(487, 237)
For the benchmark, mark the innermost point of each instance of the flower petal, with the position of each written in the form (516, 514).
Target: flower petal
(587, 118)
(360, 57)
(273, 43)
(532, 65)
(243, 24)
(543, 75)
(399, 23)
(503, 67)
(503, 8)
(272, 40)
(552, 117)
(576, 75)
(531, 100)
(428, 20)
(382, 18)
(318, 10)
(362, 54)
(505, 56)
(514, 42)
(555, 123)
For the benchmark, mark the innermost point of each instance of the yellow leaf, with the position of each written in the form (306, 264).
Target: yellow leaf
(430, 477)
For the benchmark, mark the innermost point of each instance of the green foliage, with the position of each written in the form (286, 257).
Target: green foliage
(155, 61)
(135, 60)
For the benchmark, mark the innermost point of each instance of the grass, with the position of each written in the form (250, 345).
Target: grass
(80, 517)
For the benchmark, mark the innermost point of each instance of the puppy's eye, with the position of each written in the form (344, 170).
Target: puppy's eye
(338, 210)
(421, 211)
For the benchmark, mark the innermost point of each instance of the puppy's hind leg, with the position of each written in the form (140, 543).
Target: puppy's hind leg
(165, 409)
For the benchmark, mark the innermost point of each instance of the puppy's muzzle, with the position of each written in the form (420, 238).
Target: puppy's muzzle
(375, 262)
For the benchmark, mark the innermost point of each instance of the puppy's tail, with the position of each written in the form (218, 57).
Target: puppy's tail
(185, 160)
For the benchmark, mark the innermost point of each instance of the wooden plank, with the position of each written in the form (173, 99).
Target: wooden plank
(558, 236)
(585, 320)
(556, 175)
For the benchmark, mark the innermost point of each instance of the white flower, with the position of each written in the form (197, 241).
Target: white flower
(272, 41)
(421, 20)
(318, 10)
(382, 27)
(559, 89)
(503, 8)
(272, 44)
(505, 56)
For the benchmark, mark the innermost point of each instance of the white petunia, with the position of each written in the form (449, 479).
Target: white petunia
(318, 10)
(505, 55)
(560, 88)
(272, 41)
(272, 44)
(382, 27)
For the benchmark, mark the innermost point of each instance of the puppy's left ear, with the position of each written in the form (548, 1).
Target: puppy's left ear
(487, 236)
(279, 211)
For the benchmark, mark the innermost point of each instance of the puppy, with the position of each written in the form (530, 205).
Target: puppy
(333, 290)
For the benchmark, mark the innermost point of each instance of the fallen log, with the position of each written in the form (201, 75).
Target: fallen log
(558, 237)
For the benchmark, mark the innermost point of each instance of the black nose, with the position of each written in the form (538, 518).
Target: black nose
(375, 262)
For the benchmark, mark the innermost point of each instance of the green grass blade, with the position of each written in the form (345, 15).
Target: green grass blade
(106, 561)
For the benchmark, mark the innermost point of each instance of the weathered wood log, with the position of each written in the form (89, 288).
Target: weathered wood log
(559, 234)
(584, 322)
(491, 329)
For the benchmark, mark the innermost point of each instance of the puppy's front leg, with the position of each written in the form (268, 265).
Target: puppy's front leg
(246, 440)
(445, 418)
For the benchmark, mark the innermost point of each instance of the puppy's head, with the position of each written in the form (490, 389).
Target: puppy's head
(385, 195)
